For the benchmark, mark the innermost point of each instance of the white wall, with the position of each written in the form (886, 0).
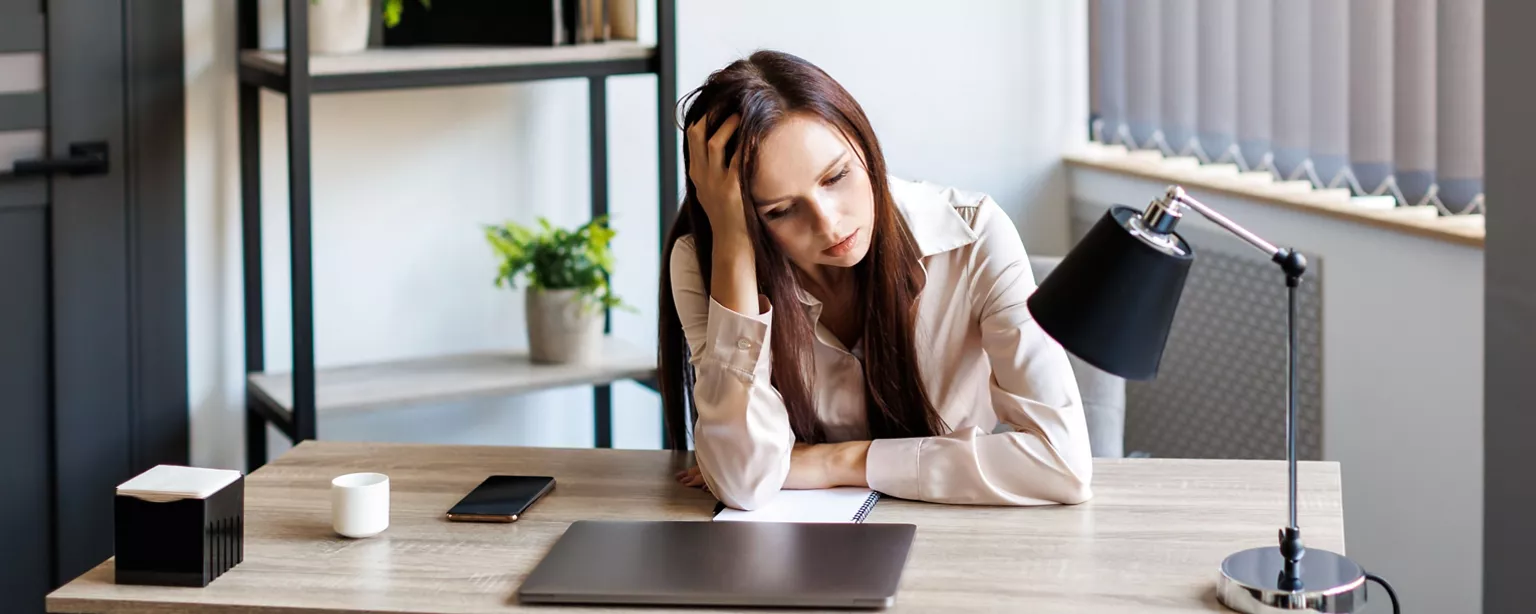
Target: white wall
(1402, 387)
(982, 94)
(985, 94)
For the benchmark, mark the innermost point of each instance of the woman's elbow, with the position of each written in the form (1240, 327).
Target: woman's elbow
(743, 481)
(1075, 458)
(747, 497)
(1076, 484)
(1075, 493)
(744, 490)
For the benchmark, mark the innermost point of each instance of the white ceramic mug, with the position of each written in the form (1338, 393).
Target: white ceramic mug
(360, 504)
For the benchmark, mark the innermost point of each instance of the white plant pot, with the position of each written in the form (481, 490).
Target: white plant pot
(563, 328)
(335, 26)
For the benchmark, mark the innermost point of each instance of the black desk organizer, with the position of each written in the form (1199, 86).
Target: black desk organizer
(188, 541)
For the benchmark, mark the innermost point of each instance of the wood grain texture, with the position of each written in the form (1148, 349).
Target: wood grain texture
(451, 378)
(441, 58)
(1260, 187)
(1151, 540)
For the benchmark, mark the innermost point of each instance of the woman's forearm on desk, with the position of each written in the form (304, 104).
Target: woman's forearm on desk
(828, 465)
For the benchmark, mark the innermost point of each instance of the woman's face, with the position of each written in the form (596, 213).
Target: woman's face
(813, 194)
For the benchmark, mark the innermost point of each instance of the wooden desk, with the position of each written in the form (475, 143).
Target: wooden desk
(1163, 525)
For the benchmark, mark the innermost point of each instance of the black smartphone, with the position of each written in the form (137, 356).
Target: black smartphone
(501, 498)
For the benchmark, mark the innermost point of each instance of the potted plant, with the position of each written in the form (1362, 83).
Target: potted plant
(338, 26)
(566, 273)
(335, 26)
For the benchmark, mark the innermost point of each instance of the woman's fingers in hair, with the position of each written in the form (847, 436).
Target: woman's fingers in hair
(697, 154)
(717, 142)
(707, 147)
(716, 181)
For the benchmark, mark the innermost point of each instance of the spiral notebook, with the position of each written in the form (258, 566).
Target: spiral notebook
(835, 505)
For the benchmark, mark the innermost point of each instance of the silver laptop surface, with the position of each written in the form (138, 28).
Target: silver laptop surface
(723, 564)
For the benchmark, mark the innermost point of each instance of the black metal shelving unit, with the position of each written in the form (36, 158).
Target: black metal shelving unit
(289, 401)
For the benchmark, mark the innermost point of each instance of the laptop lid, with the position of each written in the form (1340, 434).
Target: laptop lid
(723, 564)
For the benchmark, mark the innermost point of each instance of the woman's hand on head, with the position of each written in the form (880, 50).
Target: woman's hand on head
(717, 185)
(716, 181)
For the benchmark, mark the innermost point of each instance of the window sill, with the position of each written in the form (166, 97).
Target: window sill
(1260, 187)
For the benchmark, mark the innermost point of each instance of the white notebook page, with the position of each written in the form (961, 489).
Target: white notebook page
(844, 504)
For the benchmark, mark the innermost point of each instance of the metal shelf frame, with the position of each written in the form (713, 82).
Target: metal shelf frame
(299, 86)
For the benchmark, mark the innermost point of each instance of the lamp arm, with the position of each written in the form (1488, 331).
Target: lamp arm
(1223, 221)
(1161, 216)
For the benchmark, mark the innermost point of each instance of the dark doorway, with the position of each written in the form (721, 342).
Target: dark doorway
(93, 384)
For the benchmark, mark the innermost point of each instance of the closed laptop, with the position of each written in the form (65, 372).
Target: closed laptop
(723, 564)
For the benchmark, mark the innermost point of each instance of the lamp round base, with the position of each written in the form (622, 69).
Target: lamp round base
(1250, 582)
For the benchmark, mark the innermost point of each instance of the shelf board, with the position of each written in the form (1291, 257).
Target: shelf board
(434, 66)
(450, 378)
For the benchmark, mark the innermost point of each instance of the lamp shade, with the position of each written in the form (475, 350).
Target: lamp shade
(1112, 299)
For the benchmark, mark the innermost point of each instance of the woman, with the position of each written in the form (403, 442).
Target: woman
(833, 326)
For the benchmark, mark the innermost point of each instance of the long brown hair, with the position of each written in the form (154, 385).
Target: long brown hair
(764, 89)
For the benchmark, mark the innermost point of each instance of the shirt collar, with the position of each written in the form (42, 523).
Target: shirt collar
(931, 217)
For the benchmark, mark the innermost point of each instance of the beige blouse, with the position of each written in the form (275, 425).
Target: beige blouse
(983, 359)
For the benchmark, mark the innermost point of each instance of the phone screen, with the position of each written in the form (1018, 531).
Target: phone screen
(501, 497)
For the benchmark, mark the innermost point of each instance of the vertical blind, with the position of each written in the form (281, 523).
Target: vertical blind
(1383, 97)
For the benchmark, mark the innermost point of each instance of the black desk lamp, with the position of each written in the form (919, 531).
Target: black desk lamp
(1111, 302)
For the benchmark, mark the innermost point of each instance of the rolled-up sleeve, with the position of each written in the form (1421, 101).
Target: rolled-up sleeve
(742, 438)
(1046, 458)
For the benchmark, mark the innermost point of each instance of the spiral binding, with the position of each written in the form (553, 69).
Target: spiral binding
(869, 503)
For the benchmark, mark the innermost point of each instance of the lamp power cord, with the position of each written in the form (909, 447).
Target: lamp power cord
(1391, 594)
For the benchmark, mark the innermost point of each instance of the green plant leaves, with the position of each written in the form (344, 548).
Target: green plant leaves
(554, 258)
(393, 9)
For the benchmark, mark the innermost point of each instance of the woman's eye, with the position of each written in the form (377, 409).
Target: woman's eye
(838, 177)
(774, 214)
